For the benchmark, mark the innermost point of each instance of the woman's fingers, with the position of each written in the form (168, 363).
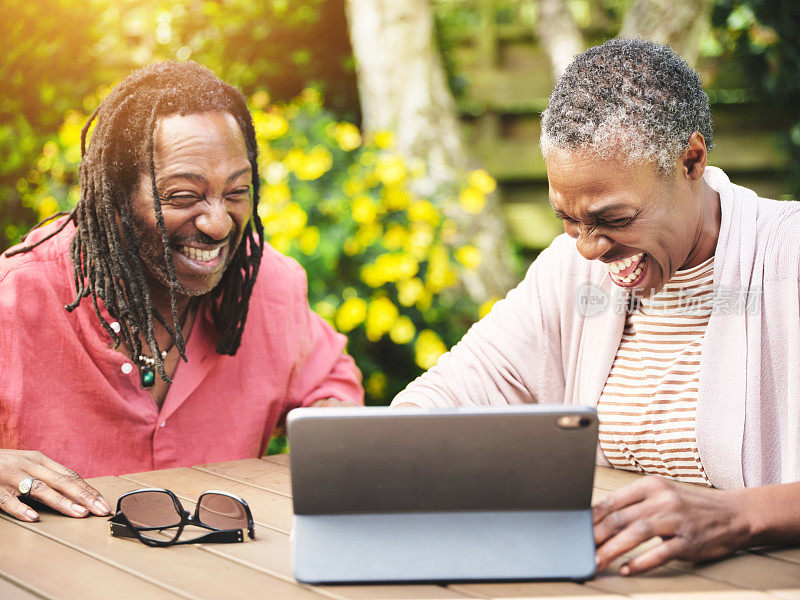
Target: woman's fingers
(88, 495)
(52, 484)
(655, 557)
(46, 495)
(10, 504)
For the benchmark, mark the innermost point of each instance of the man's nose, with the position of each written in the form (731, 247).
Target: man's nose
(214, 219)
(591, 244)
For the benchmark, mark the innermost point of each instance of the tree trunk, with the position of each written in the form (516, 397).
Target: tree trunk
(402, 88)
(558, 34)
(680, 24)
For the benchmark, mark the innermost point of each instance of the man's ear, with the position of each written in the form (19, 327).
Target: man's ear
(694, 157)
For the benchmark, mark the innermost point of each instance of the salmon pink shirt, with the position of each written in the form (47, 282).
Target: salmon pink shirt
(65, 391)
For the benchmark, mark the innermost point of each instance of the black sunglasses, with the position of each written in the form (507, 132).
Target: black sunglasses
(147, 514)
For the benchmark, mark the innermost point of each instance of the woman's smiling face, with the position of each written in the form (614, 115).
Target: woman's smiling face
(618, 211)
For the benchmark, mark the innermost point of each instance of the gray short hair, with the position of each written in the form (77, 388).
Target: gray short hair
(627, 98)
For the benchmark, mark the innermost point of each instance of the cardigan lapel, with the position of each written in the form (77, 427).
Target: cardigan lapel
(723, 363)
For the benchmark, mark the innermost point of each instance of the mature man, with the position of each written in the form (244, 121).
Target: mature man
(124, 338)
(672, 304)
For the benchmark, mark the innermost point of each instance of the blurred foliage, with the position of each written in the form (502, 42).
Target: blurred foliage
(56, 53)
(764, 36)
(383, 265)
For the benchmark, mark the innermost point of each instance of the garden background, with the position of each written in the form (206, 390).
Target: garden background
(398, 140)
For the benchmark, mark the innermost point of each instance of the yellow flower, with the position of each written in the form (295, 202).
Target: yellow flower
(351, 247)
(46, 207)
(368, 233)
(353, 187)
(288, 221)
(347, 136)
(383, 139)
(325, 309)
(49, 149)
(269, 125)
(469, 256)
(371, 275)
(394, 267)
(311, 96)
(277, 194)
(376, 385)
(396, 198)
(260, 99)
(312, 165)
(482, 181)
(428, 348)
(390, 169)
(409, 291)
(402, 331)
(395, 237)
(309, 240)
(422, 210)
(351, 314)
(439, 275)
(486, 307)
(471, 200)
(420, 240)
(381, 315)
(364, 210)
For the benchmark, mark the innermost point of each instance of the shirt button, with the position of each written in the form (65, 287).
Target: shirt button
(127, 368)
(163, 424)
(115, 327)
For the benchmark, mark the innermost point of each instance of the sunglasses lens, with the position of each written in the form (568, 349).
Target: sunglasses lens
(222, 512)
(150, 509)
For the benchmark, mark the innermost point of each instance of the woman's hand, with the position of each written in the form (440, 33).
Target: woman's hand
(693, 522)
(53, 485)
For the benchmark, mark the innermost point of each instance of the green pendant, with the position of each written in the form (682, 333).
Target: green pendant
(147, 376)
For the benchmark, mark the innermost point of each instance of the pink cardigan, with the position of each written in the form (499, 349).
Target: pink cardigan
(553, 339)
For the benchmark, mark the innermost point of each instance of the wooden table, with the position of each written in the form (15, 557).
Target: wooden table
(66, 558)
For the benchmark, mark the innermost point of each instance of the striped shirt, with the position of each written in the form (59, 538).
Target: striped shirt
(649, 401)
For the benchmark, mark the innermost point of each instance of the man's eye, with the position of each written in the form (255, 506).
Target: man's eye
(181, 199)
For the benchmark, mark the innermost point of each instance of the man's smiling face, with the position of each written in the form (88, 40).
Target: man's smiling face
(203, 177)
(641, 224)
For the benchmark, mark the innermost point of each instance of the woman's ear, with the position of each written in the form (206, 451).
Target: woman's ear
(694, 157)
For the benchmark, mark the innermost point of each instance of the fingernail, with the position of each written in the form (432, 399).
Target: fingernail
(32, 514)
(81, 510)
(625, 570)
(102, 506)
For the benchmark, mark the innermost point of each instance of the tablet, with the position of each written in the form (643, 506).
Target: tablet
(467, 494)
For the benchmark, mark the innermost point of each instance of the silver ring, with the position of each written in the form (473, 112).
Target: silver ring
(25, 486)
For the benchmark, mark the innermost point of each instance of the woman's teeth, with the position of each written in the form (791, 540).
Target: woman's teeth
(200, 255)
(627, 269)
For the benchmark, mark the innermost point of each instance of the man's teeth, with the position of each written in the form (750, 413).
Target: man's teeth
(200, 255)
(617, 266)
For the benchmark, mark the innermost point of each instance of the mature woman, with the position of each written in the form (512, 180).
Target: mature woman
(676, 313)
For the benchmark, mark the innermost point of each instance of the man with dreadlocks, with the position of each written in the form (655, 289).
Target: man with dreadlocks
(124, 339)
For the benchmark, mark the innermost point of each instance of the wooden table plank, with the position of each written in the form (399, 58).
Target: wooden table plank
(198, 573)
(10, 591)
(52, 569)
(260, 474)
(559, 590)
(274, 511)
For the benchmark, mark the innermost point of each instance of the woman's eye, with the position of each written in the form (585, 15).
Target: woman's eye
(240, 191)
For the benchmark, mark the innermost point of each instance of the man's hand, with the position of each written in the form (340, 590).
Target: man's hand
(53, 485)
(694, 523)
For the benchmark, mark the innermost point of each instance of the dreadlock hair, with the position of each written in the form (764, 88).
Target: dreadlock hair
(105, 249)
